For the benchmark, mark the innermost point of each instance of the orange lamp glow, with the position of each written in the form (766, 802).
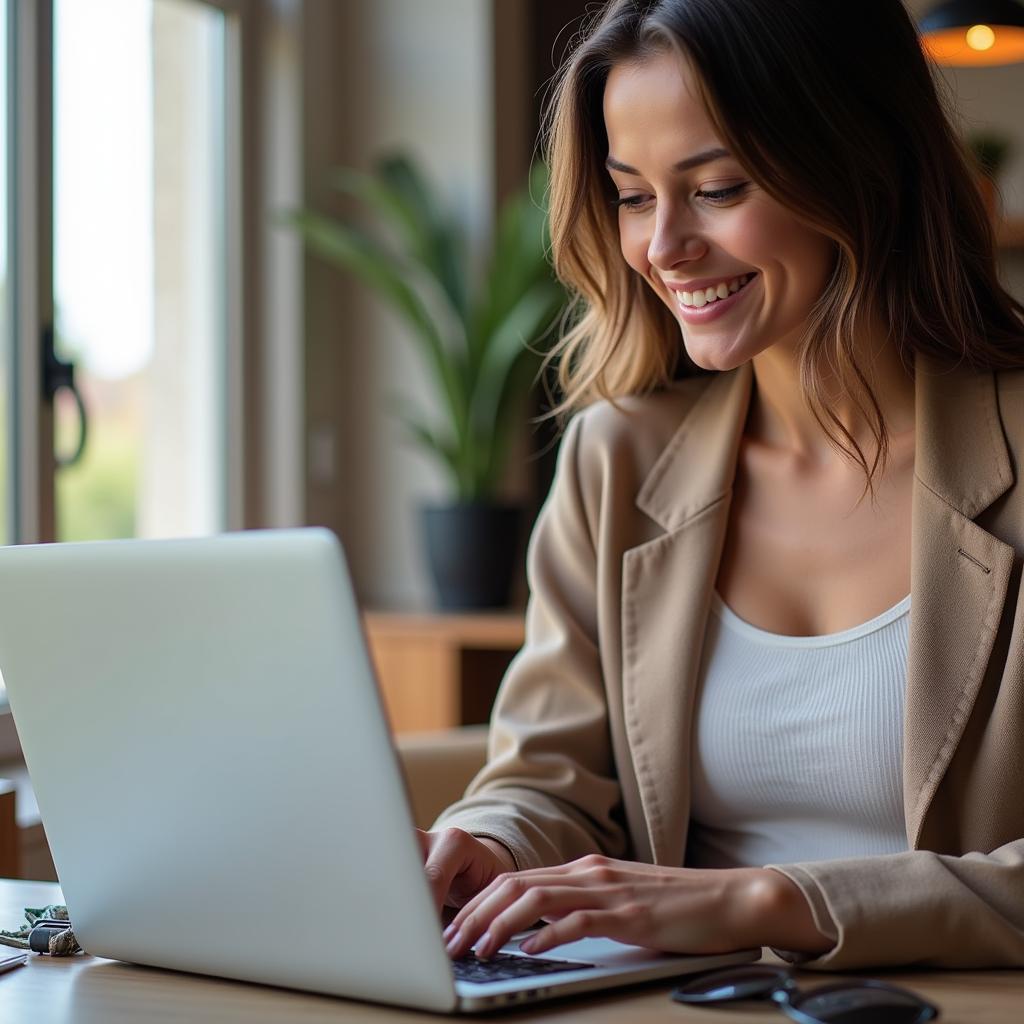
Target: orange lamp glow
(974, 33)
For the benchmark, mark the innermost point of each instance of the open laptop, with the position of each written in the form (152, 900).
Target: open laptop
(217, 781)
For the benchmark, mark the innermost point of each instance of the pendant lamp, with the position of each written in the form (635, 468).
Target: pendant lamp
(974, 33)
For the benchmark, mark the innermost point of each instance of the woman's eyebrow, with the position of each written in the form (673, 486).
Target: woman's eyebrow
(684, 165)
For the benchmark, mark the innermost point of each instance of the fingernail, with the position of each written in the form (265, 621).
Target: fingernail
(528, 945)
(449, 932)
(454, 942)
(483, 947)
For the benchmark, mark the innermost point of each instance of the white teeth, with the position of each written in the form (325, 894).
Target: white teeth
(721, 290)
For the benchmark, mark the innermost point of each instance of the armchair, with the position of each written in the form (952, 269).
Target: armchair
(438, 765)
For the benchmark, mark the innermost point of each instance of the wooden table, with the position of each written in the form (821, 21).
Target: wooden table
(87, 990)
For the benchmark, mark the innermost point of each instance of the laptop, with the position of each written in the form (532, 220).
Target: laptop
(217, 781)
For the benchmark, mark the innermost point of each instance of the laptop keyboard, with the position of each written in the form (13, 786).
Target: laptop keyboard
(506, 966)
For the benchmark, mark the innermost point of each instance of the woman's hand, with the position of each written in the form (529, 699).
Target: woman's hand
(459, 865)
(679, 910)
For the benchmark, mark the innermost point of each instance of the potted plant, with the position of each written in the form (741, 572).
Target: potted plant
(477, 335)
(990, 150)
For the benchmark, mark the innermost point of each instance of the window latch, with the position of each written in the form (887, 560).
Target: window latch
(56, 375)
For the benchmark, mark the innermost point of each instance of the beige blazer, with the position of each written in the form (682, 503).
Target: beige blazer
(589, 744)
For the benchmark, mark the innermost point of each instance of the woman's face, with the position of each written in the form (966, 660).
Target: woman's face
(688, 228)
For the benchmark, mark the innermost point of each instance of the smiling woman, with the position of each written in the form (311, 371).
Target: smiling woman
(725, 728)
(704, 213)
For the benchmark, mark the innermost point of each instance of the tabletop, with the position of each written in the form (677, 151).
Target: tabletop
(85, 989)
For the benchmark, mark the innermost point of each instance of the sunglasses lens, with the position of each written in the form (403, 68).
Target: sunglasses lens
(731, 983)
(863, 1005)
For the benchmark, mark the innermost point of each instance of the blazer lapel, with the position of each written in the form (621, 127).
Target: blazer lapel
(666, 592)
(959, 571)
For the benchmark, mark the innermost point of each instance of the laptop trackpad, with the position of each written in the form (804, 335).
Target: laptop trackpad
(600, 953)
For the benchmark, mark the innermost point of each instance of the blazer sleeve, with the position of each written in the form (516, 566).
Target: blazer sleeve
(548, 792)
(919, 907)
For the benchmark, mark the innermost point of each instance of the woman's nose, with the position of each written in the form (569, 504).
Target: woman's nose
(675, 240)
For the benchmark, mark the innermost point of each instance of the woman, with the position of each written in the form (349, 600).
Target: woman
(725, 729)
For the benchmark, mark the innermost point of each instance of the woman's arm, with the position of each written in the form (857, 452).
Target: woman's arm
(676, 910)
(909, 908)
(919, 907)
(548, 793)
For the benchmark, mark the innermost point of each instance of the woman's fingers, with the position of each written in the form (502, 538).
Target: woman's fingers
(472, 920)
(458, 866)
(477, 913)
(581, 924)
(441, 864)
(587, 872)
(450, 853)
(513, 908)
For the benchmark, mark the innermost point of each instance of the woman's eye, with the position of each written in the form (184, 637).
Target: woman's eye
(630, 202)
(719, 195)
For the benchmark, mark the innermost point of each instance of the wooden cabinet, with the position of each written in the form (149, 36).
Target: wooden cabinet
(441, 670)
(9, 859)
(24, 852)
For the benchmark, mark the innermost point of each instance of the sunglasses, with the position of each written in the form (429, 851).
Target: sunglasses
(846, 1002)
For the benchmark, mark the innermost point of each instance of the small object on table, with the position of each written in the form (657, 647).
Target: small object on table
(47, 930)
(55, 938)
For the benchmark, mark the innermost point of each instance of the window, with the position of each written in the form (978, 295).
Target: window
(139, 266)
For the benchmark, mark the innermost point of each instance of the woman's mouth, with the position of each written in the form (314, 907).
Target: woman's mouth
(709, 303)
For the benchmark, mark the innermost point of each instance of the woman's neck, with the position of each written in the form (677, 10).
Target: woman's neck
(780, 418)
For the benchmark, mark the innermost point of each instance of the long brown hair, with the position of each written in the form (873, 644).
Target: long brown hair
(834, 111)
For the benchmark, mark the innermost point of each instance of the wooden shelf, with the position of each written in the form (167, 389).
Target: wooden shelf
(484, 629)
(437, 670)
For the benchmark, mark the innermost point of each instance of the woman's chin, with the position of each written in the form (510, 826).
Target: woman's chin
(718, 359)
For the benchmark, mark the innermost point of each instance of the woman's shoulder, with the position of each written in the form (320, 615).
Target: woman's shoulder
(611, 446)
(639, 426)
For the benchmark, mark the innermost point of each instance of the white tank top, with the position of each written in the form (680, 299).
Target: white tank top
(798, 743)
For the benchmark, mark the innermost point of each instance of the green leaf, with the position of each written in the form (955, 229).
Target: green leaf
(518, 260)
(352, 250)
(510, 342)
(408, 220)
(442, 247)
(510, 371)
(390, 205)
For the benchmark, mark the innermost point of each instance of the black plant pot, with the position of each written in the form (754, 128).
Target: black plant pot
(472, 550)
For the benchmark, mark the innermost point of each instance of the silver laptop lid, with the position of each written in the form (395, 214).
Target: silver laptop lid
(212, 764)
